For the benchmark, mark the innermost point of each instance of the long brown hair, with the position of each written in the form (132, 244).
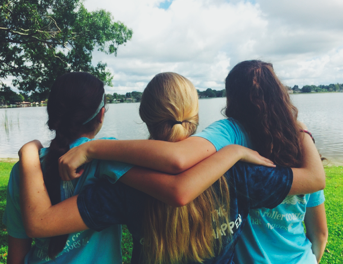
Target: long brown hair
(258, 100)
(183, 234)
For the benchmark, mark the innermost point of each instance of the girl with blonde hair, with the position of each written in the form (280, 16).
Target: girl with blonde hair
(206, 228)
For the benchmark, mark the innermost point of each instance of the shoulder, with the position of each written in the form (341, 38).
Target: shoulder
(265, 187)
(224, 132)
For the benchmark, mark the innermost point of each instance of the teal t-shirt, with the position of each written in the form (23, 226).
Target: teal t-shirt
(270, 235)
(82, 247)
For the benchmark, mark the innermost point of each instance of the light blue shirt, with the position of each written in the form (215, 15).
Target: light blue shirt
(82, 247)
(270, 235)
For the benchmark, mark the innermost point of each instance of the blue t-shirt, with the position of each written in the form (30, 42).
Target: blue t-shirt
(81, 247)
(102, 205)
(271, 235)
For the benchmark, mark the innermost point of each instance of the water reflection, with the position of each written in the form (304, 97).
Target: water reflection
(322, 113)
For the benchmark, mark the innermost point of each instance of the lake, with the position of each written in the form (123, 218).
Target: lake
(322, 113)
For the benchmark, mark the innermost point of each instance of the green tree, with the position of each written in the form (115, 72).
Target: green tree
(10, 97)
(220, 93)
(36, 97)
(306, 89)
(137, 96)
(210, 93)
(109, 98)
(42, 39)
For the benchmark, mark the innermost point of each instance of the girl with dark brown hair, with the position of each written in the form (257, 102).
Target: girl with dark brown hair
(75, 115)
(261, 104)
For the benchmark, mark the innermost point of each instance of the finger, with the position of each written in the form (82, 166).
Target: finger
(269, 163)
(63, 170)
(267, 160)
(79, 173)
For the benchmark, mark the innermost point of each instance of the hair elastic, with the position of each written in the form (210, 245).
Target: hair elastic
(176, 123)
(102, 104)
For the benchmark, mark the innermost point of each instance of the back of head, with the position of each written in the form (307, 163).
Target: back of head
(167, 99)
(259, 101)
(169, 107)
(74, 98)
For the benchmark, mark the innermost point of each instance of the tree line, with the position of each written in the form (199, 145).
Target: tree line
(7, 96)
(317, 89)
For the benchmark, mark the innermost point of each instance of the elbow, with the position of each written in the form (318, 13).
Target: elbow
(322, 186)
(322, 182)
(179, 197)
(32, 230)
(322, 237)
(180, 201)
(177, 165)
(324, 234)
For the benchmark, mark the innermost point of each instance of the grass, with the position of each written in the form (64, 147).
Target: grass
(334, 212)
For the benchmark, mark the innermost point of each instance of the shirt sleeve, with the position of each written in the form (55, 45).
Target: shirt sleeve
(12, 217)
(267, 187)
(218, 133)
(316, 199)
(102, 204)
(113, 170)
(224, 132)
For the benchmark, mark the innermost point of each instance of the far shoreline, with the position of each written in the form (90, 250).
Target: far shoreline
(9, 160)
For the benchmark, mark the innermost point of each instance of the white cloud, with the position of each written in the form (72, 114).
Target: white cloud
(203, 39)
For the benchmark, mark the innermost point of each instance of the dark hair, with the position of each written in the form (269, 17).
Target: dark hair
(258, 100)
(73, 99)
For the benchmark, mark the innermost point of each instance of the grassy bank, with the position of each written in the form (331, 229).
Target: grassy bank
(334, 210)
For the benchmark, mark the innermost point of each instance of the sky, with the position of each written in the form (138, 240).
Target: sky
(203, 39)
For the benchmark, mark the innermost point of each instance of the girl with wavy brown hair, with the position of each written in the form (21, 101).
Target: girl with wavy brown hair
(169, 243)
(257, 99)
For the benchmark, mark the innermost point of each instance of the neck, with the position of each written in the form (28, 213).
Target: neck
(90, 135)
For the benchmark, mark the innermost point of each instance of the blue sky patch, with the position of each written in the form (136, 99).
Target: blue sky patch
(166, 4)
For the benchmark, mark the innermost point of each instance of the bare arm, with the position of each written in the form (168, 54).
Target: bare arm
(179, 190)
(35, 201)
(307, 179)
(316, 229)
(311, 176)
(42, 219)
(17, 249)
(168, 157)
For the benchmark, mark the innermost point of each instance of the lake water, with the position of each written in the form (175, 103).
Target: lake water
(322, 113)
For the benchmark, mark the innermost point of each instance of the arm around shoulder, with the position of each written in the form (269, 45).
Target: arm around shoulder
(167, 157)
(41, 219)
(311, 176)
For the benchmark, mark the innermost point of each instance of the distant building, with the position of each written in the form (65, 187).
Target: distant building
(23, 104)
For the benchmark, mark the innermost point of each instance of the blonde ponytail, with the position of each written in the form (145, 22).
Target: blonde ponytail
(169, 107)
